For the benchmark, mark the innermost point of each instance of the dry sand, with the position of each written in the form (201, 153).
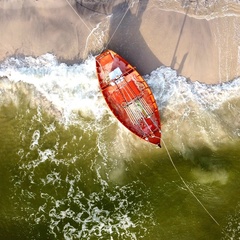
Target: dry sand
(200, 39)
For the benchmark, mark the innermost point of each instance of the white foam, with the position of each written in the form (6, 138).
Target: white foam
(69, 88)
(195, 114)
(35, 138)
(232, 228)
(192, 112)
(91, 219)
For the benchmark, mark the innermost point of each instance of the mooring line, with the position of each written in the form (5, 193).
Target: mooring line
(91, 31)
(171, 160)
(129, 6)
(78, 15)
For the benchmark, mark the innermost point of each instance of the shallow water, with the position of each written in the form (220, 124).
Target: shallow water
(69, 170)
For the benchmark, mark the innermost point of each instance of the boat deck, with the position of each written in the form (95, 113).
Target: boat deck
(128, 96)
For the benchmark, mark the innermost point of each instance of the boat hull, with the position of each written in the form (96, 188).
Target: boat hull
(128, 96)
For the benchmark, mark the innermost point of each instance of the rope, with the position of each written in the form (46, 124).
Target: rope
(129, 6)
(188, 186)
(90, 30)
(78, 15)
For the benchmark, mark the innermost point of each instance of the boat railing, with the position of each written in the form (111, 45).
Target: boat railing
(104, 54)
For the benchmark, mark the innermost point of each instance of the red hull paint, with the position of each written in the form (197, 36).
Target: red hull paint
(128, 96)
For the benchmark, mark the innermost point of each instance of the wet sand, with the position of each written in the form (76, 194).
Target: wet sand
(199, 39)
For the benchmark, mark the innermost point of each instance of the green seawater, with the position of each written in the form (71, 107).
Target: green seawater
(77, 181)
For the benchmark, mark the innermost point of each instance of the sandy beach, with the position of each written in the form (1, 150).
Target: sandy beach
(199, 39)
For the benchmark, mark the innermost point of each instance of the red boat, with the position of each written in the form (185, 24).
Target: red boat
(128, 96)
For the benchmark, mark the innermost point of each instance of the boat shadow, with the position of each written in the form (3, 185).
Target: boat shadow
(124, 35)
(126, 39)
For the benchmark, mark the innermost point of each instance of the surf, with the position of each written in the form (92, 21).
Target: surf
(69, 127)
(206, 115)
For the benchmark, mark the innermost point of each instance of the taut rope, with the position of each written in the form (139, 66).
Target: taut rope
(189, 189)
(79, 17)
(91, 31)
(129, 6)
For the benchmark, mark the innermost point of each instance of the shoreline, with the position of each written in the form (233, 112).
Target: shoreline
(150, 35)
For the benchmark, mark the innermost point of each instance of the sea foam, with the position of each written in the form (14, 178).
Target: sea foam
(193, 113)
